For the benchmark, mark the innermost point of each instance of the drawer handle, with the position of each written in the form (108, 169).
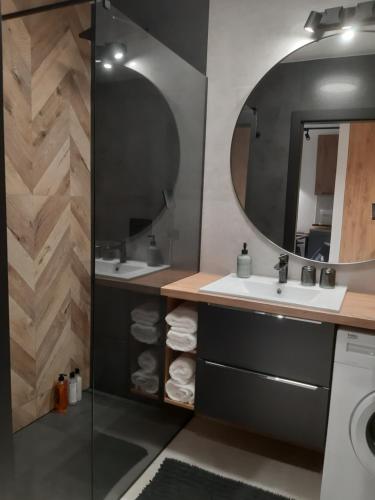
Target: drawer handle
(282, 316)
(279, 380)
(292, 382)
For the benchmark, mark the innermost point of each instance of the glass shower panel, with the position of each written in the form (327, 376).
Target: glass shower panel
(47, 148)
(148, 170)
(6, 451)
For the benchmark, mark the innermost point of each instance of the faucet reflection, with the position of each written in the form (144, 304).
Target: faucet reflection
(123, 253)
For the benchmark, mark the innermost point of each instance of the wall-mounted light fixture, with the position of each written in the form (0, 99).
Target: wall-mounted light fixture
(313, 21)
(340, 18)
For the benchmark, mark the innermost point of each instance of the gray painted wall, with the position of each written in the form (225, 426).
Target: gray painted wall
(246, 39)
(180, 25)
(288, 88)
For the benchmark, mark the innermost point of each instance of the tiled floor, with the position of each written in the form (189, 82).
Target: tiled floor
(239, 455)
(148, 426)
(53, 455)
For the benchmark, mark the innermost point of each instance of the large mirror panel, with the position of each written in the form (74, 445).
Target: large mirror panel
(303, 151)
(138, 148)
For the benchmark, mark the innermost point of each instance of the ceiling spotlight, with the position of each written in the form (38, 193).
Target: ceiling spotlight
(313, 21)
(307, 135)
(348, 27)
(107, 65)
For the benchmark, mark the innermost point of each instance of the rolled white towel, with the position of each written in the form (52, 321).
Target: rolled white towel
(182, 370)
(147, 313)
(184, 318)
(146, 333)
(184, 330)
(146, 382)
(184, 342)
(149, 361)
(183, 393)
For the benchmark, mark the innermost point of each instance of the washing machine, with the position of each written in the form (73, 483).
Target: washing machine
(349, 464)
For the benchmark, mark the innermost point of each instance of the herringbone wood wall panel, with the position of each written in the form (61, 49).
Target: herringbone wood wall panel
(47, 148)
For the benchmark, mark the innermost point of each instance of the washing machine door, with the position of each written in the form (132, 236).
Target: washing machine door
(362, 432)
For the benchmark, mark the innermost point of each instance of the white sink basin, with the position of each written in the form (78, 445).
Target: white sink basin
(269, 289)
(128, 270)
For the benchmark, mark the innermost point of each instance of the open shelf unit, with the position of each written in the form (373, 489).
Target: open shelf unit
(136, 347)
(171, 355)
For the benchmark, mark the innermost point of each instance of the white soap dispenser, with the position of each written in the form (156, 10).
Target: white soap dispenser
(72, 389)
(153, 253)
(244, 263)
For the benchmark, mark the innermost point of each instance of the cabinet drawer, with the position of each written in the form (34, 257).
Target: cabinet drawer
(270, 406)
(293, 349)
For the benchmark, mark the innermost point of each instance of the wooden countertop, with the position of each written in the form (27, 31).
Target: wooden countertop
(150, 283)
(358, 309)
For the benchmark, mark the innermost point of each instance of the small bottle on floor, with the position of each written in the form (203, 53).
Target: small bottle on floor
(61, 394)
(79, 384)
(72, 389)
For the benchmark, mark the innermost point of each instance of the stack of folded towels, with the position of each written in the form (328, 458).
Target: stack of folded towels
(146, 327)
(146, 378)
(181, 386)
(182, 336)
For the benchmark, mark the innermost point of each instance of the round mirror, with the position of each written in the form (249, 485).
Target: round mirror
(137, 150)
(303, 151)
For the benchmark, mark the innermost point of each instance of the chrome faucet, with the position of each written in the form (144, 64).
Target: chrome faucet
(123, 255)
(282, 267)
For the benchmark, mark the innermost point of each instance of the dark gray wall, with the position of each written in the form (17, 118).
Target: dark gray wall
(182, 25)
(136, 154)
(286, 88)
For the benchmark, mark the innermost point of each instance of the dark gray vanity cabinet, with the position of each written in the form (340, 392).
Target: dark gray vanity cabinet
(266, 405)
(269, 373)
(290, 348)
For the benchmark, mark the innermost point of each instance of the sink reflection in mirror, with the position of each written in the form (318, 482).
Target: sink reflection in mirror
(269, 289)
(126, 270)
(135, 201)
